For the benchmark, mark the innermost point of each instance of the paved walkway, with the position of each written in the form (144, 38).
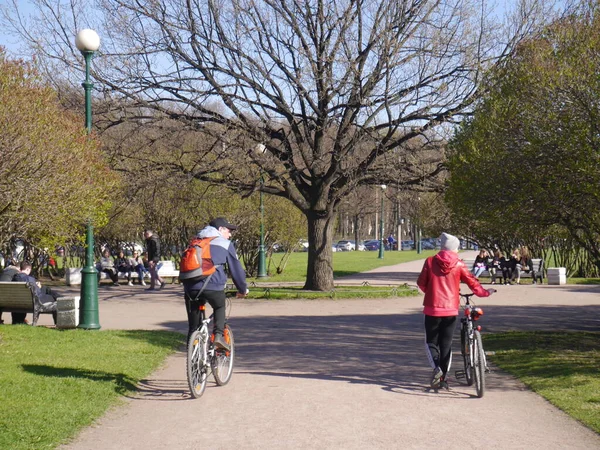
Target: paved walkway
(339, 374)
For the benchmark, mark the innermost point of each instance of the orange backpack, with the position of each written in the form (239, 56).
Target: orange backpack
(196, 262)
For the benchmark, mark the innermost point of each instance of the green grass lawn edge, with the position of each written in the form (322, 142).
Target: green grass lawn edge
(56, 382)
(560, 366)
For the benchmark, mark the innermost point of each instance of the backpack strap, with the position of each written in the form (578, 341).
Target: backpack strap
(203, 287)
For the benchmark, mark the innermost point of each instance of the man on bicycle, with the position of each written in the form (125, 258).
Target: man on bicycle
(212, 290)
(440, 281)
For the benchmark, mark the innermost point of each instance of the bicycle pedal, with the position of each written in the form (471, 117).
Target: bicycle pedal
(459, 374)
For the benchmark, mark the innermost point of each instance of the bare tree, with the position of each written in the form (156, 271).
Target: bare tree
(328, 87)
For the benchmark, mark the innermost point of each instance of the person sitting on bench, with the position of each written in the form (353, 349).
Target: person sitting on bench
(45, 295)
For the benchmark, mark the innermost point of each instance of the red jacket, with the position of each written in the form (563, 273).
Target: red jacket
(440, 281)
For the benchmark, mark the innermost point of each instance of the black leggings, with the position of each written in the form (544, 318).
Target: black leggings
(439, 332)
(216, 299)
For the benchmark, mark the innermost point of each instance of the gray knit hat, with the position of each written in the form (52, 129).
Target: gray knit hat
(449, 242)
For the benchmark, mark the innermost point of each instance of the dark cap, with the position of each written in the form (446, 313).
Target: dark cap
(221, 222)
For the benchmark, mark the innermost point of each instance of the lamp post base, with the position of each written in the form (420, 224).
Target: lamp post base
(262, 263)
(88, 309)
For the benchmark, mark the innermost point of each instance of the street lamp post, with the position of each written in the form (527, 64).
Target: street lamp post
(381, 238)
(418, 229)
(262, 261)
(87, 41)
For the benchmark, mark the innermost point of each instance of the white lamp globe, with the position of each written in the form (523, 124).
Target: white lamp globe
(87, 40)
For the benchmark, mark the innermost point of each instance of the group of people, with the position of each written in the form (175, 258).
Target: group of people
(137, 263)
(507, 270)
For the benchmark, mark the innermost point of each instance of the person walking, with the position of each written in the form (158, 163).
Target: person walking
(153, 251)
(440, 280)
(212, 289)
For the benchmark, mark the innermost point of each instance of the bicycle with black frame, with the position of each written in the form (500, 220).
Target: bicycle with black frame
(204, 358)
(471, 346)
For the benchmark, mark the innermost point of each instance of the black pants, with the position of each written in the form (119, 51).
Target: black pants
(439, 332)
(114, 276)
(216, 299)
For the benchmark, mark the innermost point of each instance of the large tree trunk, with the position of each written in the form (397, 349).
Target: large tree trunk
(319, 276)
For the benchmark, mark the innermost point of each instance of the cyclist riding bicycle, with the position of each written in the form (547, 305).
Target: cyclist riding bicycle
(440, 281)
(212, 290)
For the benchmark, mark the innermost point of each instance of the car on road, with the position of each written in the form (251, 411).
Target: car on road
(408, 245)
(427, 244)
(345, 246)
(372, 245)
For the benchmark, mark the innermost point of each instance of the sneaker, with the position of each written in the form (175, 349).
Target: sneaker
(162, 286)
(130, 283)
(493, 282)
(143, 283)
(150, 289)
(115, 283)
(444, 384)
(436, 377)
(220, 342)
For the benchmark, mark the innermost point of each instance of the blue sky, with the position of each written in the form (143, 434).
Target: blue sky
(12, 43)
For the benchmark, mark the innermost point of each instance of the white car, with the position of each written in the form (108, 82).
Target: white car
(347, 246)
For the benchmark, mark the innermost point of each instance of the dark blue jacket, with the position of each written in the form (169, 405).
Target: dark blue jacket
(222, 251)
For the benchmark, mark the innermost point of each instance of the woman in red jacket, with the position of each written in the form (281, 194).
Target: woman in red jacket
(440, 281)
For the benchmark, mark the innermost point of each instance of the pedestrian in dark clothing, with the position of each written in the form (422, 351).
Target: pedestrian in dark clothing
(153, 250)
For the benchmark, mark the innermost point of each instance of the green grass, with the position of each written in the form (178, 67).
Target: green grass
(562, 367)
(340, 292)
(54, 382)
(344, 263)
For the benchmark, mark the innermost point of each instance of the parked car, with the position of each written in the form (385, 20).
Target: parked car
(372, 245)
(426, 244)
(345, 246)
(408, 245)
(302, 245)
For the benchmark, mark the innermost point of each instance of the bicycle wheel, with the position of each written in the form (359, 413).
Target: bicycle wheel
(464, 349)
(222, 361)
(479, 362)
(196, 367)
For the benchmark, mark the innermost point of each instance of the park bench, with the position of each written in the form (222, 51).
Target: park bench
(166, 269)
(538, 267)
(18, 296)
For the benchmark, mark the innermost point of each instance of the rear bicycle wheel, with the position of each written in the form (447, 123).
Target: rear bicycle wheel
(197, 372)
(222, 361)
(465, 351)
(479, 363)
